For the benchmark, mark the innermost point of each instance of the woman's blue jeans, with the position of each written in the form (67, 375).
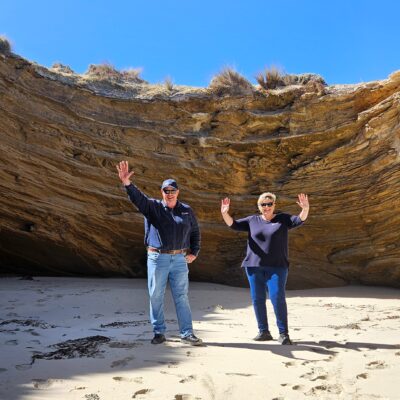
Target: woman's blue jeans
(273, 278)
(162, 268)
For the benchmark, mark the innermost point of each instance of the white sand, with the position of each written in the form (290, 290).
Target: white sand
(348, 344)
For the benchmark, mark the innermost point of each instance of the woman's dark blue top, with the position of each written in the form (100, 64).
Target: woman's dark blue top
(267, 243)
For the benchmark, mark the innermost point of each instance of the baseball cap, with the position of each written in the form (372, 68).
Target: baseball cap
(169, 182)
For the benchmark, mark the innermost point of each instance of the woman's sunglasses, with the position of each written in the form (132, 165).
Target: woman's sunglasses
(266, 204)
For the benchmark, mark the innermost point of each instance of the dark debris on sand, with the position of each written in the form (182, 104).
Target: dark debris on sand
(76, 348)
(28, 322)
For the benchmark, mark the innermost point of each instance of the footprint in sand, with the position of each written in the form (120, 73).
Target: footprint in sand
(289, 364)
(141, 392)
(121, 363)
(323, 389)
(32, 332)
(397, 353)
(377, 365)
(44, 383)
(183, 397)
(316, 373)
(92, 396)
(297, 387)
(362, 376)
(188, 379)
(12, 314)
(322, 377)
(11, 342)
(3, 370)
(23, 367)
(123, 379)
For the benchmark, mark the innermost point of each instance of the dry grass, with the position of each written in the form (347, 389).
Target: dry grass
(271, 78)
(303, 79)
(105, 71)
(132, 75)
(5, 45)
(274, 77)
(230, 82)
(169, 84)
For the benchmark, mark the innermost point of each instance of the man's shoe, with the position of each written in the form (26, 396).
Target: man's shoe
(263, 336)
(192, 340)
(158, 338)
(284, 339)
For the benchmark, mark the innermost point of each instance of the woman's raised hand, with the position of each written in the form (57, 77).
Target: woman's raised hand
(123, 172)
(303, 201)
(225, 205)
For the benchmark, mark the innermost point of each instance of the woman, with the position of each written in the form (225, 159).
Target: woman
(266, 261)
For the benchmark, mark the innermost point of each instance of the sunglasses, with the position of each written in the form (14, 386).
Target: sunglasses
(266, 204)
(169, 191)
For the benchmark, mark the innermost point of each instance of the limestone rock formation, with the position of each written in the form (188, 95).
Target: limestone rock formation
(63, 210)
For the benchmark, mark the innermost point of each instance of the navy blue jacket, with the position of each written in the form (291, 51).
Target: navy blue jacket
(166, 228)
(267, 242)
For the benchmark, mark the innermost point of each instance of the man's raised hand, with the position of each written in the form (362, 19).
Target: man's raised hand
(123, 172)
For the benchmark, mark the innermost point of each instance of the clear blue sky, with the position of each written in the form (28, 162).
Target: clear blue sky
(345, 41)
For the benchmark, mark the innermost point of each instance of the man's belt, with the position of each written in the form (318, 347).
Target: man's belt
(155, 250)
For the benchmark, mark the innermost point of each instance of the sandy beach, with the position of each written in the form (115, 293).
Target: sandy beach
(80, 338)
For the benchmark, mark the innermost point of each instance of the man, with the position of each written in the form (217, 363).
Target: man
(172, 238)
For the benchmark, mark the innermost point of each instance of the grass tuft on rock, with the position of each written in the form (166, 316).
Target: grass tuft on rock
(107, 72)
(274, 77)
(5, 45)
(230, 82)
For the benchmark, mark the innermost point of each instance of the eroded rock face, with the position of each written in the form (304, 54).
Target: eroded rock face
(63, 210)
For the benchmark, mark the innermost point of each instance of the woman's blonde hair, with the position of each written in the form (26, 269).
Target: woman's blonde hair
(266, 195)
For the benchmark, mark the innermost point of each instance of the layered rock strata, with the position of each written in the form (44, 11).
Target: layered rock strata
(63, 210)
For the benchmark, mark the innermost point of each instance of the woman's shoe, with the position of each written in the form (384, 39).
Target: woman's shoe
(284, 339)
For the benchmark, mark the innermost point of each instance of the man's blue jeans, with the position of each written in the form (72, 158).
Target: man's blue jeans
(160, 269)
(273, 278)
